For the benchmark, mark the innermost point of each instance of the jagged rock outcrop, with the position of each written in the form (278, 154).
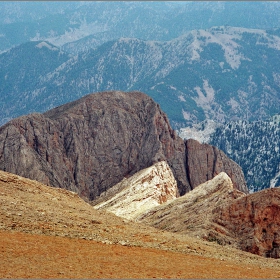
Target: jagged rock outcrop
(146, 189)
(205, 161)
(253, 221)
(216, 211)
(192, 212)
(91, 144)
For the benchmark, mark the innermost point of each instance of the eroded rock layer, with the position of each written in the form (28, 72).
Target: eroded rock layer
(192, 212)
(216, 211)
(146, 189)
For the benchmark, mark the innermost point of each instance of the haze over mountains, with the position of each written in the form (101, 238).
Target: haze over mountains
(202, 60)
(222, 74)
(65, 22)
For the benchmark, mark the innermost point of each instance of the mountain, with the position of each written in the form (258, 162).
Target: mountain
(223, 74)
(66, 23)
(91, 144)
(21, 70)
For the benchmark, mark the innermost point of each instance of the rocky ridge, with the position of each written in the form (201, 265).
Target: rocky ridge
(192, 213)
(215, 211)
(144, 190)
(91, 144)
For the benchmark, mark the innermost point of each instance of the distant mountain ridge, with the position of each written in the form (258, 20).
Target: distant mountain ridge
(223, 74)
(63, 23)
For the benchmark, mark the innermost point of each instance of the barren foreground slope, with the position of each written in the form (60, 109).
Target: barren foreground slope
(51, 233)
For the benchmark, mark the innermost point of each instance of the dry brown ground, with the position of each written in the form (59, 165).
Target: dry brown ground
(51, 233)
(38, 256)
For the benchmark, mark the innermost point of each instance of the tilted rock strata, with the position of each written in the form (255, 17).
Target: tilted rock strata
(192, 213)
(216, 211)
(91, 144)
(144, 190)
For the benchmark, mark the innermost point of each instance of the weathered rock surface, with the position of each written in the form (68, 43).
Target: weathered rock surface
(253, 221)
(216, 211)
(192, 212)
(91, 144)
(205, 161)
(146, 189)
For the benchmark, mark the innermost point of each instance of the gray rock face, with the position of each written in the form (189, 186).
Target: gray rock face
(204, 162)
(91, 144)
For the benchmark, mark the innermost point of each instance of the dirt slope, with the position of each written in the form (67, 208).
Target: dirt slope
(51, 233)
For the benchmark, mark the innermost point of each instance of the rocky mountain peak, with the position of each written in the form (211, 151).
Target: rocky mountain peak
(91, 144)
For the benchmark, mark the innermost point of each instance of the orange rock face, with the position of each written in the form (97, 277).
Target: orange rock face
(254, 221)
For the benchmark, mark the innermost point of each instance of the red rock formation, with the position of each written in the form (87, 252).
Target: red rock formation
(254, 222)
(91, 144)
(215, 211)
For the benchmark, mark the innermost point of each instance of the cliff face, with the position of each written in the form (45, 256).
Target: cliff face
(91, 144)
(204, 162)
(254, 221)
